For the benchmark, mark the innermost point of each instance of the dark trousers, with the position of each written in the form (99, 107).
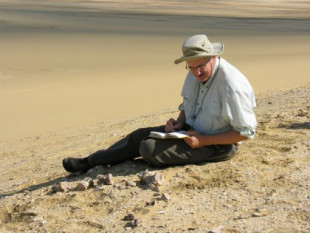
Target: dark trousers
(159, 152)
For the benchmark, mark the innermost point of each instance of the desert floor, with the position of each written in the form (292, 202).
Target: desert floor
(77, 76)
(264, 188)
(65, 64)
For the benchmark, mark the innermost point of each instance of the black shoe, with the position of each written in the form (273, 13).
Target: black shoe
(75, 165)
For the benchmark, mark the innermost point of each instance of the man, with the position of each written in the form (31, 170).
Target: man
(217, 114)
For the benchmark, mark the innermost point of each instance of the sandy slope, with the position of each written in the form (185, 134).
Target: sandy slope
(265, 188)
(244, 8)
(55, 103)
(64, 64)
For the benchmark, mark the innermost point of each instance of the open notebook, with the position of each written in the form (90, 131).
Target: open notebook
(162, 135)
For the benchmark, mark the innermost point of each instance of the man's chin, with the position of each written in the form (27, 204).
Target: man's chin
(202, 79)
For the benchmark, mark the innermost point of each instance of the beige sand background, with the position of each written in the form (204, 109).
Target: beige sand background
(69, 63)
(75, 76)
(265, 188)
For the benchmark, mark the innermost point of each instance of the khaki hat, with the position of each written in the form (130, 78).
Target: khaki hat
(199, 46)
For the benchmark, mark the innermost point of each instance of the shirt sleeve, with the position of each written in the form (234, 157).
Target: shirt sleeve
(181, 106)
(238, 111)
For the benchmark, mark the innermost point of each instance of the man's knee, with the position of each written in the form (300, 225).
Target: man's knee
(147, 151)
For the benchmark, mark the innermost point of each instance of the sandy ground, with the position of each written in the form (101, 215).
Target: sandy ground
(75, 76)
(65, 64)
(265, 188)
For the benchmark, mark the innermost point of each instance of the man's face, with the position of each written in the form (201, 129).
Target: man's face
(201, 68)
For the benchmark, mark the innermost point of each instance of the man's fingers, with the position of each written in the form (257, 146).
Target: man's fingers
(170, 125)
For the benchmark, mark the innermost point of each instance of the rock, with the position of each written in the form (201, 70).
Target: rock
(82, 186)
(85, 184)
(61, 187)
(142, 175)
(129, 217)
(90, 181)
(165, 197)
(118, 186)
(156, 179)
(259, 212)
(105, 179)
(136, 222)
(256, 214)
(188, 170)
(153, 203)
(151, 178)
(154, 187)
(130, 183)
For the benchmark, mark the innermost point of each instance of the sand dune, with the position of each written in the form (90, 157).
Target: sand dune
(68, 63)
(75, 76)
(265, 188)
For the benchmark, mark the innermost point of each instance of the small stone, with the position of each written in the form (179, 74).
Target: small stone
(136, 222)
(130, 183)
(90, 181)
(118, 186)
(61, 187)
(154, 187)
(153, 202)
(42, 223)
(129, 217)
(259, 212)
(105, 179)
(256, 214)
(100, 177)
(142, 175)
(165, 197)
(156, 179)
(82, 186)
(110, 180)
(188, 169)
(151, 177)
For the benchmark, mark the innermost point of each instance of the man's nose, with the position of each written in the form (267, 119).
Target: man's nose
(197, 71)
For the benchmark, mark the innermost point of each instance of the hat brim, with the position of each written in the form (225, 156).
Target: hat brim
(218, 49)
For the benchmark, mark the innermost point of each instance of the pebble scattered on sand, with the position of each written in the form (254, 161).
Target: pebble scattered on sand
(61, 187)
(151, 179)
(263, 189)
(82, 186)
(130, 183)
(105, 179)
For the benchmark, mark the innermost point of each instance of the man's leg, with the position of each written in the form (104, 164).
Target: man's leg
(125, 149)
(176, 152)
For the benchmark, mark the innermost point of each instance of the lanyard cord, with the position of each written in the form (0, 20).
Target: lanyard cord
(194, 116)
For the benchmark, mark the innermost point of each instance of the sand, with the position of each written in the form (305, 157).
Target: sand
(265, 188)
(77, 76)
(66, 63)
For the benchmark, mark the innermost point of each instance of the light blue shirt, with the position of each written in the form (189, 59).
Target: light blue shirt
(225, 102)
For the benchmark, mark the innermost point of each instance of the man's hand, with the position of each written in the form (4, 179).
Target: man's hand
(195, 139)
(176, 125)
(173, 125)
